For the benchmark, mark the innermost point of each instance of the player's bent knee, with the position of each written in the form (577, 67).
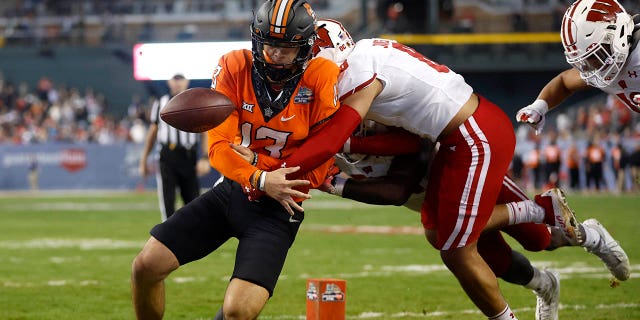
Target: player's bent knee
(239, 311)
(154, 262)
(244, 300)
(458, 259)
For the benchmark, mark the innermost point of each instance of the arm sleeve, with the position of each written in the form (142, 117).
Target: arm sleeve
(395, 142)
(324, 143)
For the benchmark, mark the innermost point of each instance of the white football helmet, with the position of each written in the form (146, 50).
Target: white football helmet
(333, 42)
(596, 35)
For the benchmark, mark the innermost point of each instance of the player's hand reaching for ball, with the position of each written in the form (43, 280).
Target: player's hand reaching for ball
(533, 114)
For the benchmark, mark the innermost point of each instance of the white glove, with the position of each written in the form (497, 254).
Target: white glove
(533, 114)
(636, 99)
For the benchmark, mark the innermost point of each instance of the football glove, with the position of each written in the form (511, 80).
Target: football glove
(330, 182)
(636, 99)
(533, 114)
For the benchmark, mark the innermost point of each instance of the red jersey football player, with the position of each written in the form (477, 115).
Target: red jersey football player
(393, 84)
(365, 176)
(281, 97)
(396, 86)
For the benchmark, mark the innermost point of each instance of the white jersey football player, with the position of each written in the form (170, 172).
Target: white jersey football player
(601, 44)
(393, 84)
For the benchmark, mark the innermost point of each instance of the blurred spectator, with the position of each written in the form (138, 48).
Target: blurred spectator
(396, 21)
(33, 172)
(402, 16)
(552, 155)
(465, 23)
(532, 164)
(594, 159)
(517, 167)
(573, 166)
(621, 115)
(138, 131)
(57, 114)
(136, 109)
(634, 160)
(620, 160)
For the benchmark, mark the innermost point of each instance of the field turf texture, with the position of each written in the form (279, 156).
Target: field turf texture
(67, 255)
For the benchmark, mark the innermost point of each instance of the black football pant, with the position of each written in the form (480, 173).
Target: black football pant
(177, 170)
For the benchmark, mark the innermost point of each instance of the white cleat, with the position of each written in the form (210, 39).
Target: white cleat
(548, 299)
(559, 214)
(609, 251)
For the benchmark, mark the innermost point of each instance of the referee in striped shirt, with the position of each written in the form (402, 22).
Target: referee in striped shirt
(182, 158)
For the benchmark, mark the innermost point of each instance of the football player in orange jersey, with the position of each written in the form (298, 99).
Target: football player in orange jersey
(281, 97)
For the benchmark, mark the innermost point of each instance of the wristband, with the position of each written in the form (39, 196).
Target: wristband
(255, 159)
(255, 178)
(261, 180)
(540, 106)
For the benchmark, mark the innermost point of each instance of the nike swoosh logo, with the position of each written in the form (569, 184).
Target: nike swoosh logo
(283, 119)
(291, 219)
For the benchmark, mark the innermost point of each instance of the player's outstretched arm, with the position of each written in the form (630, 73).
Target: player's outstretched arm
(554, 92)
(395, 142)
(327, 141)
(561, 87)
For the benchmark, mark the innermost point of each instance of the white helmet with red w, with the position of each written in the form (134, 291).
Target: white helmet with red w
(333, 41)
(596, 35)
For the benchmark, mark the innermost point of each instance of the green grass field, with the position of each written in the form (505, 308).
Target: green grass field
(68, 256)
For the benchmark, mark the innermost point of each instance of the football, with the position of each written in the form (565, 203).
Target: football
(197, 110)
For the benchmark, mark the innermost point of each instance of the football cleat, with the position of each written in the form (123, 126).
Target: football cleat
(609, 251)
(559, 214)
(548, 299)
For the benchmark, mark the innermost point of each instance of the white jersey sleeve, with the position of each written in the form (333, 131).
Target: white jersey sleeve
(419, 95)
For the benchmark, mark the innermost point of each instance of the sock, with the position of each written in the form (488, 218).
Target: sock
(525, 211)
(506, 314)
(591, 238)
(540, 280)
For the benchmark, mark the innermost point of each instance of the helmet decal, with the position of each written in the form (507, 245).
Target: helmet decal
(279, 18)
(334, 42)
(604, 11)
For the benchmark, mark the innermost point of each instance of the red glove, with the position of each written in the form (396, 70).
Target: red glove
(328, 185)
